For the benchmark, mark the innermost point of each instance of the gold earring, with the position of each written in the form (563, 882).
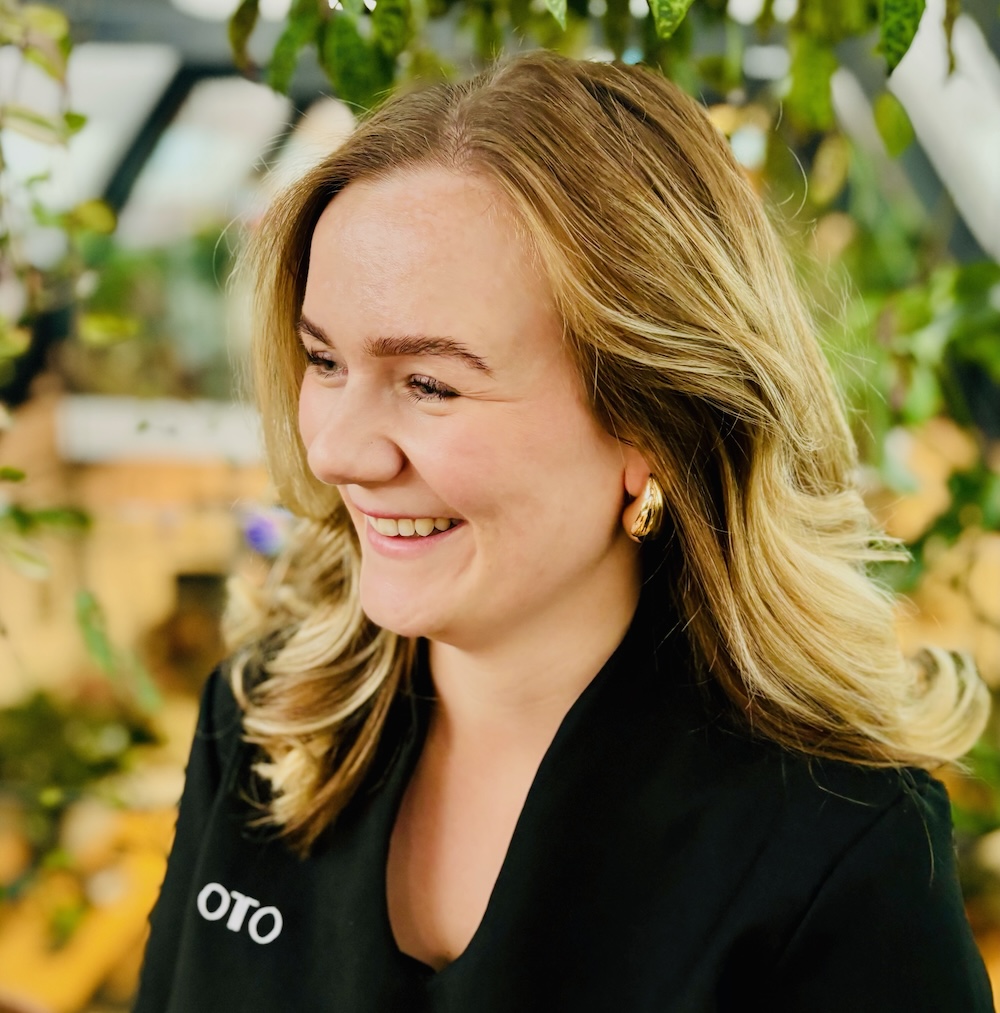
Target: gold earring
(651, 510)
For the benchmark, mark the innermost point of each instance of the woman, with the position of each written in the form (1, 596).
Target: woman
(572, 693)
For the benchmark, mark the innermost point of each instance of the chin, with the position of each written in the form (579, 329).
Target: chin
(406, 618)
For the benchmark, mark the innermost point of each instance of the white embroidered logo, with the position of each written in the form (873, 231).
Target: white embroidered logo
(215, 901)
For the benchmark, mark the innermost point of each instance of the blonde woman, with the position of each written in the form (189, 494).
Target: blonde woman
(573, 693)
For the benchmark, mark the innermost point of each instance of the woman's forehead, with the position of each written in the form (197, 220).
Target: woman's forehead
(431, 248)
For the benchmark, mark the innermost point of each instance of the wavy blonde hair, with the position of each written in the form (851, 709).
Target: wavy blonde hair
(693, 345)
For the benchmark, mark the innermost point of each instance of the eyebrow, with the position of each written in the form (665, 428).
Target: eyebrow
(406, 345)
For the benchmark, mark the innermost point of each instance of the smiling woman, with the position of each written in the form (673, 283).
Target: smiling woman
(485, 425)
(572, 693)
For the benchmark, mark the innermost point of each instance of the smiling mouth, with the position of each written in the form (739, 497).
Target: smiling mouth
(410, 527)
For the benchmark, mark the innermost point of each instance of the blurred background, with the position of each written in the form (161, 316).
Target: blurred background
(140, 141)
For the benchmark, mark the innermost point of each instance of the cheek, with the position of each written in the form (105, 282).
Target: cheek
(309, 414)
(535, 471)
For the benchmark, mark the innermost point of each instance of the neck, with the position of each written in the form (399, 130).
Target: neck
(519, 684)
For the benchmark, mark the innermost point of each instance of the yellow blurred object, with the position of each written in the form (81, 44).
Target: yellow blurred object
(122, 983)
(957, 603)
(117, 870)
(15, 854)
(989, 947)
(931, 454)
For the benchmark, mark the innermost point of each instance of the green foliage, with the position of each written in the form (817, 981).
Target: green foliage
(893, 123)
(392, 27)
(300, 29)
(358, 70)
(20, 528)
(984, 766)
(151, 324)
(898, 23)
(952, 9)
(834, 22)
(41, 34)
(53, 752)
(668, 14)
(809, 99)
(364, 54)
(241, 26)
(39, 126)
(557, 8)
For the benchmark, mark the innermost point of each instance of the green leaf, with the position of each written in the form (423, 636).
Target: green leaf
(32, 124)
(487, 32)
(392, 26)
(899, 20)
(14, 341)
(66, 519)
(427, 66)
(24, 556)
(952, 9)
(74, 122)
(557, 8)
(923, 396)
(94, 215)
(977, 280)
(809, 100)
(521, 16)
(833, 22)
(14, 517)
(90, 619)
(8, 474)
(41, 19)
(99, 330)
(990, 502)
(241, 26)
(143, 687)
(48, 55)
(358, 71)
(12, 29)
(302, 27)
(667, 15)
(893, 123)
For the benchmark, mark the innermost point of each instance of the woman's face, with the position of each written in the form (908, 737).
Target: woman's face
(439, 389)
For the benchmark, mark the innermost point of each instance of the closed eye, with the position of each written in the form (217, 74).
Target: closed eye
(324, 364)
(426, 388)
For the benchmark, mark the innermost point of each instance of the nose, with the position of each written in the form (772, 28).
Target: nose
(348, 438)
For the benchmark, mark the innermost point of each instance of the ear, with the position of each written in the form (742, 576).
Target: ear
(635, 474)
(635, 471)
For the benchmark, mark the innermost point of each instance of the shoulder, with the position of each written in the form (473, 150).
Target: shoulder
(791, 821)
(220, 718)
(822, 811)
(885, 895)
(826, 794)
(897, 822)
(218, 735)
(847, 893)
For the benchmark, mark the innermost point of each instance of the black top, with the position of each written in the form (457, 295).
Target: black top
(660, 863)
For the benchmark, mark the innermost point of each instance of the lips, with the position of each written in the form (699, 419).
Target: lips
(410, 527)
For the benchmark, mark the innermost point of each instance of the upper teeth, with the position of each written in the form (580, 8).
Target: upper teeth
(407, 526)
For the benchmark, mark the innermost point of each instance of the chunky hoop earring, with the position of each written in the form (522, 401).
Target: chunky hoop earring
(651, 510)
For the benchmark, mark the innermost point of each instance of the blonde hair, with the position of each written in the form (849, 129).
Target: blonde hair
(693, 345)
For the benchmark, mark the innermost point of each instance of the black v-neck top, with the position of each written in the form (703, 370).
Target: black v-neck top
(661, 863)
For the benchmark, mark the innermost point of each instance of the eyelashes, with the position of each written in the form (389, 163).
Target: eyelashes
(426, 388)
(418, 387)
(323, 365)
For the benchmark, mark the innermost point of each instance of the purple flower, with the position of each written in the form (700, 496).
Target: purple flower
(266, 529)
